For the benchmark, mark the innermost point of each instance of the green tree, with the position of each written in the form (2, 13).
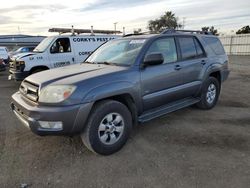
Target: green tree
(166, 21)
(244, 30)
(137, 31)
(210, 29)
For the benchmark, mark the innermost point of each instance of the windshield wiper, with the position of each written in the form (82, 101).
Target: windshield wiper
(100, 62)
(87, 62)
(105, 63)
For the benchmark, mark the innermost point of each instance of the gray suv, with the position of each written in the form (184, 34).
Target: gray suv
(125, 81)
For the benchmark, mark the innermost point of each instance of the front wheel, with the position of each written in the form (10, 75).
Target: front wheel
(209, 94)
(108, 127)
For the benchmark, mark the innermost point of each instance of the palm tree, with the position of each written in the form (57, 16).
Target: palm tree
(166, 21)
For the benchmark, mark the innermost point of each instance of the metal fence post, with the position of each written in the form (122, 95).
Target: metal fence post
(231, 45)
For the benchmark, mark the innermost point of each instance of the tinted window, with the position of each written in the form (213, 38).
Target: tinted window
(165, 46)
(215, 44)
(187, 46)
(199, 50)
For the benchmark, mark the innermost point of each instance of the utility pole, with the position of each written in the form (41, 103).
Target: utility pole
(183, 22)
(115, 26)
(124, 31)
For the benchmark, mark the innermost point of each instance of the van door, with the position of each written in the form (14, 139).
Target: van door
(60, 53)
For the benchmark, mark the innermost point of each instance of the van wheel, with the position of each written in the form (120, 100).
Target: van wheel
(209, 94)
(108, 127)
(37, 70)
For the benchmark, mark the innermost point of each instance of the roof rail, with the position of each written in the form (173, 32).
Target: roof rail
(135, 34)
(169, 31)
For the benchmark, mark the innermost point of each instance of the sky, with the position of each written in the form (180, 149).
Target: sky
(36, 17)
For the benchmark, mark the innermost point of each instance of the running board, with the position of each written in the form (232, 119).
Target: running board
(157, 112)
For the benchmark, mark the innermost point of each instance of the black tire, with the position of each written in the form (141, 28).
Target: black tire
(91, 135)
(204, 104)
(37, 70)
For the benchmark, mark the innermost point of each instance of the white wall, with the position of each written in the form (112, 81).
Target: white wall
(236, 44)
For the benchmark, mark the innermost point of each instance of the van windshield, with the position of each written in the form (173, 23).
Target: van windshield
(44, 44)
(119, 52)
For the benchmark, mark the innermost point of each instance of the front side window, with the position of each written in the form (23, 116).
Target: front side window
(188, 50)
(165, 46)
(119, 52)
(61, 45)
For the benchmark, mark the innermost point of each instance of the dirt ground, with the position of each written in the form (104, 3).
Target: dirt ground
(187, 148)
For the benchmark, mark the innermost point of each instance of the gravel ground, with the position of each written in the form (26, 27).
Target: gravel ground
(187, 148)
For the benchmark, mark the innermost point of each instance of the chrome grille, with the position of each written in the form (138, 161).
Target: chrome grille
(29, 90)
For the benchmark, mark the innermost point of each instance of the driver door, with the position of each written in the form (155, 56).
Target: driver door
(159, 83)
(61, 53)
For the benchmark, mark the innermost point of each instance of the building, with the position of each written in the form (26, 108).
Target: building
(15, 41)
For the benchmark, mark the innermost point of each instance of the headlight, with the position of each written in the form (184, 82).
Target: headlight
(21, 62)
(56, 93)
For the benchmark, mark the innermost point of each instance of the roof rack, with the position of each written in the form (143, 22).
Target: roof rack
(79, 31)
(135, 34)
(169, 31)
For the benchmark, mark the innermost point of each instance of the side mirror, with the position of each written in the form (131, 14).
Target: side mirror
(53, 49)
(153, 59)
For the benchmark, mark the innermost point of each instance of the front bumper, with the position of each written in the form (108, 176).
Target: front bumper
(18, 75)
(73, 117)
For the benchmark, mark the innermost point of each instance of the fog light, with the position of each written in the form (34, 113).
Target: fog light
(51, 124)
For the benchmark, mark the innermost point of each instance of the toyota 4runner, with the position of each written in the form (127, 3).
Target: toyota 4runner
(125, 81)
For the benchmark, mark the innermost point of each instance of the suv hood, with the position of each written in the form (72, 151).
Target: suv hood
(72, 74)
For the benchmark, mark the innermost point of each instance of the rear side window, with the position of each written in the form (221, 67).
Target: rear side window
(215, 44)
(187, 46)
(200, 52)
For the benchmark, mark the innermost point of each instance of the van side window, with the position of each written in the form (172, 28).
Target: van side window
(187, 46)
(165, 46)
(199, 51)
(61, 45)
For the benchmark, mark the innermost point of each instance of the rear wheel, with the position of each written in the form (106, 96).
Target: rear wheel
(210, 93)
(37, 70)
(108, 127)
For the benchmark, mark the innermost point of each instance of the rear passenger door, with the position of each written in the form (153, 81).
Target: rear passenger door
(192, 61)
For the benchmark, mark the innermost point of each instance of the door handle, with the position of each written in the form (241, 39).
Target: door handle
(177, 67)
(73, 59)
(203, 62)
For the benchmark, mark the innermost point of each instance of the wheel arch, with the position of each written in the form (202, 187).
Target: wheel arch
(216, 74)
(42, 67)
(127, 100)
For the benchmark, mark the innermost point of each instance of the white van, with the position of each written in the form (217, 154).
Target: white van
(56, 51)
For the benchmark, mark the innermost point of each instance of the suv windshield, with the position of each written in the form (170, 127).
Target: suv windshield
(44, 44)
(118, 52)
